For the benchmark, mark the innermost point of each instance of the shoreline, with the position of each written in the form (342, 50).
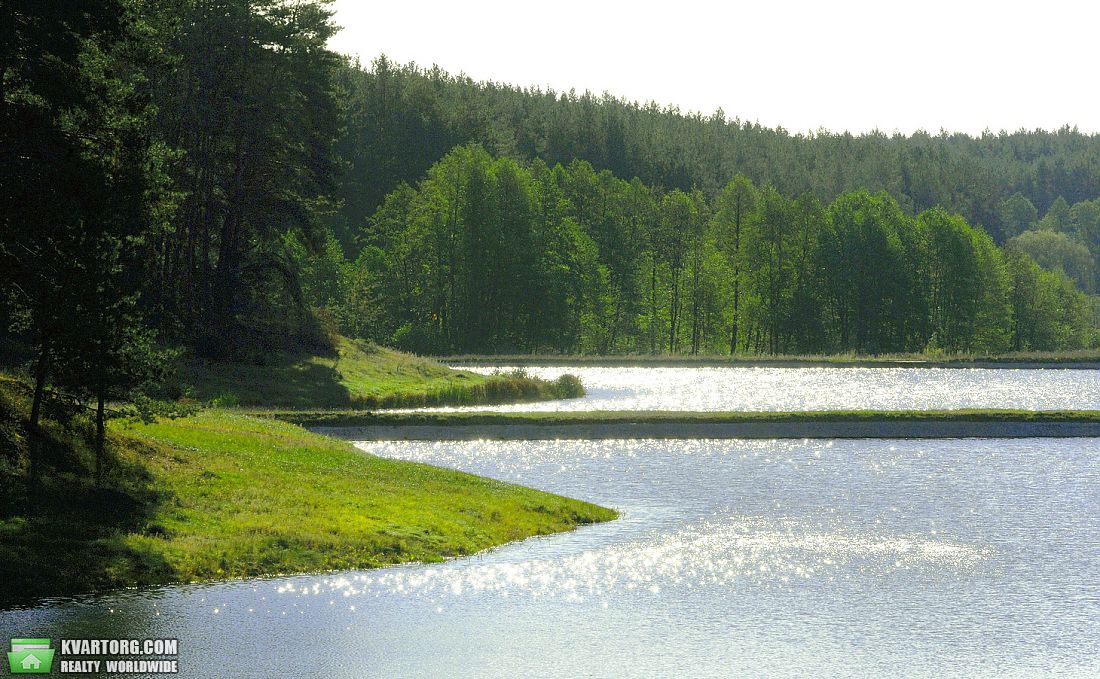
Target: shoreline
(347, 418)
(460, 362)
(465, 426)
(874, 429)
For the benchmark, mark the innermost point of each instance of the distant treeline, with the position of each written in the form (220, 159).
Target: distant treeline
(403, 118)
(491, 255)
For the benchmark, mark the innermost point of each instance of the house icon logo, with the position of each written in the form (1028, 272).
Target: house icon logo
(30, 656)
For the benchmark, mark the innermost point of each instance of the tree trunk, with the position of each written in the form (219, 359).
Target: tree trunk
(736, 300)
(100, 433)
(610, 348)
(3, 93)
(697, 266)
(40, 370)
(736, 275)
(653, 309)
(674, 313)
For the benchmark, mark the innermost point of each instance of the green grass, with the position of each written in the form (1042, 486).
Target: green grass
(353, 419)
(360, 375)
(223, 495)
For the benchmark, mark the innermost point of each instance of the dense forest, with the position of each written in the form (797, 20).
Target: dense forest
(491, 255)
(404, 118)
(206, 175)
(424, 228)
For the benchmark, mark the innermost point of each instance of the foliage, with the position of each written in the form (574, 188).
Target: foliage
(403, 118)
(488, 256)
(568, 386)
(81, 183)
(246, 102)
(1055, 251)
(147, 409)
(1017, 215)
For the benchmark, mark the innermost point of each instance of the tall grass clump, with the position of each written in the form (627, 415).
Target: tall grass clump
(568, 386)
(511, 387)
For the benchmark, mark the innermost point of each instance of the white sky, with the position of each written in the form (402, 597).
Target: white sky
(842, 65)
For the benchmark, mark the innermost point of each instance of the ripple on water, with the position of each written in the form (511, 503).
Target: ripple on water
(731, 558)
(715, 553)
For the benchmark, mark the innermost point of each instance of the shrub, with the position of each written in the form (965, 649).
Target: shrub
(568, 386)
(226, 399)
(511, 387)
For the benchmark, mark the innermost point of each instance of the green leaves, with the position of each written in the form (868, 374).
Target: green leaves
(488, 255)
(247, 98)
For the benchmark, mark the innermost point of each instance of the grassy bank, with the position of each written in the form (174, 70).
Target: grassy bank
(359, 375)
(354, 419)
(1082, 358)
(223, 495)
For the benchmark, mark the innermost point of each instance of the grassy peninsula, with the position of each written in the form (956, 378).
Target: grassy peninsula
(356, 375)
(221, 494)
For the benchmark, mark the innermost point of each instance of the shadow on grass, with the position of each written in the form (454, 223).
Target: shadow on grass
(290, 382)
(358, 376)
(60, 532)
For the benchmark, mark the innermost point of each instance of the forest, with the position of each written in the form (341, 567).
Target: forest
(488, 255)
(207, 177)
(403, 118)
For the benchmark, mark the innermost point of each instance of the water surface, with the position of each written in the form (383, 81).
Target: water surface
(799, 389)
(763, 558)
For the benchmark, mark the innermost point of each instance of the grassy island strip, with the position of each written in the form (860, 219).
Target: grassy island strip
(223, 494)
(357, 374)
(320, 418)
(436, 426)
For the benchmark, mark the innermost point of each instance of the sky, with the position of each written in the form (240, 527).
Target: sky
(842, 65)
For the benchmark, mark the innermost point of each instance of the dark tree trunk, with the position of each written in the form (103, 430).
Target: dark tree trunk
(100, 433)
(697, 266)
(610, 348)
(41, 368)
(674, 313)
(736, 275)
(653, 309)
(736, 300)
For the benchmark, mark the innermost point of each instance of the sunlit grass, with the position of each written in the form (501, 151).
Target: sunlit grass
(256, 496)
(223, 495)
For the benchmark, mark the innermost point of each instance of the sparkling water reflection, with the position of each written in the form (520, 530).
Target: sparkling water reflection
(787, 389)
(761, 558)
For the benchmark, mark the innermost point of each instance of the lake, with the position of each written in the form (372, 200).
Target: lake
(752, 558)
(784, 389)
